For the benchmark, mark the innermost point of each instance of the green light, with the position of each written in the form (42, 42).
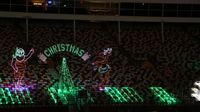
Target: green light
(17, 97)
(164, 97)
(64, 88)
(10, 95)
(115, 95)
(123, 90)
(62, 96)
(23, 96)
(64, 48)
(1, 95)
(13, 97)
(90, 98)
(29, 95)
(119, 95)
(108, 92)
(124, 94)
(4, 95)
(52, 91)
(136, 94)
(66, 81)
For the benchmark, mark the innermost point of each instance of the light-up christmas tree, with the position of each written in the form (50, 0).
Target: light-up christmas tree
(64, 88)
(65, 81)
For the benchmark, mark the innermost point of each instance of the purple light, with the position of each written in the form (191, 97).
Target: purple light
(14, 87)
(101, 89)
(22, 88)
(19, 88)
(49, 2)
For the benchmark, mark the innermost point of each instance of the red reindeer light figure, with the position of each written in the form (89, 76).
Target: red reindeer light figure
(101, 64)
(19, 63)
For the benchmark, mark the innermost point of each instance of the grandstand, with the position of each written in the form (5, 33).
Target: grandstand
(153, 66)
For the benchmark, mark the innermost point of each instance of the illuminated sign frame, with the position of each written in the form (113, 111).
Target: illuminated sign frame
(57, 48)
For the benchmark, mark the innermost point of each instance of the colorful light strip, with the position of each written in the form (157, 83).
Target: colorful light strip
(164, 97)
(123, 95)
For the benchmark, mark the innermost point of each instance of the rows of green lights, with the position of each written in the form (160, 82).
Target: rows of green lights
(123, 95)
(164, 97)
(15, 97)
(65, 95)
(64, 91)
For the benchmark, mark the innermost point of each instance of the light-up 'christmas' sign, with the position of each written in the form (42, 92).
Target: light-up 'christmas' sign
(63, 48)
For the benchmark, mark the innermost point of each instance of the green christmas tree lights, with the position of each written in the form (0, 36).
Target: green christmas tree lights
(64, 88)
(162, 97)
(123, 95)
(65, 82)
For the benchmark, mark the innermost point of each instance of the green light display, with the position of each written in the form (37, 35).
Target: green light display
(64, 88)
(52, 93)
(14, 97)
(10, 95)
(17, 97)
(3, 96)
(29, 96)
(65, 82)
(162, 97)
(123, 95)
